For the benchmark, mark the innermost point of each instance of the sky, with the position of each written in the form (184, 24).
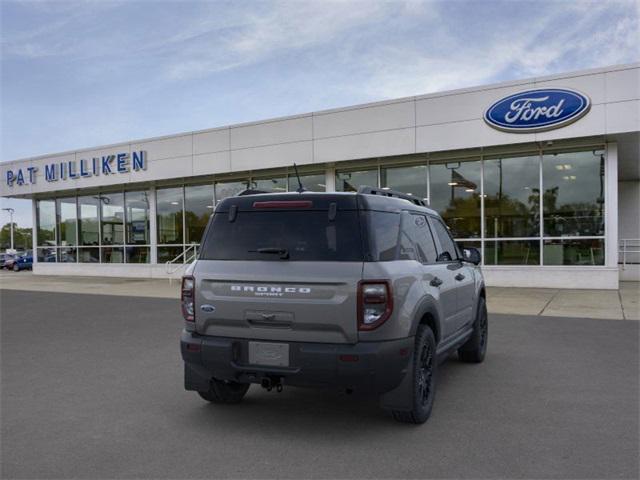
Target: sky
(87, 73)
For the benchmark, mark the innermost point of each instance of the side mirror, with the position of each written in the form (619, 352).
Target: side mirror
(472, 255)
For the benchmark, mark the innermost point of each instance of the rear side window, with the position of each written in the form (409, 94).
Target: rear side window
(448, 251)
(305, 235)
(418, 230)
(383, 235)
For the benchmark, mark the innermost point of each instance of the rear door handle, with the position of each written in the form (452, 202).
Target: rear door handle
(459, 277)
(436, 282)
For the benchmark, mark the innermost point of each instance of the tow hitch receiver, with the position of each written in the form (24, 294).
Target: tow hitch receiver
(269, 383)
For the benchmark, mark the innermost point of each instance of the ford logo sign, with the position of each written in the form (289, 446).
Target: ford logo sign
(537, 110)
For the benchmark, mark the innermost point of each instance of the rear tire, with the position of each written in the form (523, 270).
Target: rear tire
(16, 268)
(424, 378)
(225, 392)
(475, 349)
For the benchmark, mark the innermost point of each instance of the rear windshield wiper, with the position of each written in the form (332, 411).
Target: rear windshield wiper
(283, 252)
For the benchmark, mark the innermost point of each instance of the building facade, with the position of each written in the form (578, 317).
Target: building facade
(542, 175)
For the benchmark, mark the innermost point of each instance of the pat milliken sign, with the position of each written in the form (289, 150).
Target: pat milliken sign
(117, 163)
(537, 110)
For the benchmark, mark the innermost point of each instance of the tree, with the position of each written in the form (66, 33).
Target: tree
(21, 237)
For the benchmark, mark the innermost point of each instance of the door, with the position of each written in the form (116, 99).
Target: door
(438, 278)
(457, 272)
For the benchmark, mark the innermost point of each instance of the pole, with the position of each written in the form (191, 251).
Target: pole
(11, 211)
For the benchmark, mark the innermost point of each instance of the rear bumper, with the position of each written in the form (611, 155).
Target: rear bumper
(368, 366)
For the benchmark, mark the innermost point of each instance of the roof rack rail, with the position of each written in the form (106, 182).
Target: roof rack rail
(250, 191)
(391, 193)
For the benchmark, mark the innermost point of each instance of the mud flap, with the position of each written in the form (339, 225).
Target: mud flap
(196, 378)
(401, 397)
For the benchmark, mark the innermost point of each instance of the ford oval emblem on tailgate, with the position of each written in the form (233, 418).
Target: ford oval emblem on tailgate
(207, 308)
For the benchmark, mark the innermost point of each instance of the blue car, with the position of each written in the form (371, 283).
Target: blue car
(24, 262)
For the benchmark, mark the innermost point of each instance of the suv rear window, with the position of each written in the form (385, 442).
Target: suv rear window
(305, 235)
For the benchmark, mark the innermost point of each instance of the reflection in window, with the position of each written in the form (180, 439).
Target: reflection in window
(89, 255)
(67, 255)
(277, 185)
(573, 198)
(112, 205)
(137, 218)
(112, 255)
(67, 213)
(351, 181)
(512, 197)
(455, 195)
(311, 183)
(229, 189)
(574, 252)
(137, 254)
(88, 220)
(46, 217)
(411, 180)
(47, 255)
(198, 207)
(166, 254)
(512, 252)
(169, 207)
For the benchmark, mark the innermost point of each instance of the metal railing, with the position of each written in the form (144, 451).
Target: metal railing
(629, 247)
(188, 256)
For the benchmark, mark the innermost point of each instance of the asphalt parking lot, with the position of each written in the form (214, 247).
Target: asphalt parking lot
(92, 388)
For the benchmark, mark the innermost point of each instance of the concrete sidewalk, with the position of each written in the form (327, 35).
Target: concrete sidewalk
(623, 304)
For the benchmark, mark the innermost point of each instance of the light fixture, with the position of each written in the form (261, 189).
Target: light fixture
(452, 184)
(386, 188)
(175, 203)
(567, 166)
(209, 206)
(469, 190)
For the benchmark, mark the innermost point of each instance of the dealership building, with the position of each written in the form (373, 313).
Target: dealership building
(541, 174)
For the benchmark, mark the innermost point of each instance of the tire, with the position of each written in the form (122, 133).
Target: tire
(225, 392)
(475, 349)
(16, 268)
(424, 378)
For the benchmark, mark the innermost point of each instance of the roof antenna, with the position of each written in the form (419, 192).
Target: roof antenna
(300, 188)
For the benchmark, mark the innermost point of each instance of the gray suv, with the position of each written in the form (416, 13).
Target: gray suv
(359, 291)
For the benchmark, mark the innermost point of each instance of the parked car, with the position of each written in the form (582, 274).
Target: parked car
(9, 258)
(23, 262)
(360, 291)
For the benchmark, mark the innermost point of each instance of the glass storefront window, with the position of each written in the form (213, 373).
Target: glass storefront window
(46, 218)
(112, 255)
(67, 255)
(169, 207)
(166, 254)
(573, 198)
(512, 197)
(512, 252)
(47, 254)
(411, 180)
(455, 195)
(137, 254)
(311, 183)
(574, 252)
(67, 221)
(112, 218)
(351, 181)
(137, 218)
(198, 207)
(89, 255)
(229, 189)
(88, 227)
(276, 185)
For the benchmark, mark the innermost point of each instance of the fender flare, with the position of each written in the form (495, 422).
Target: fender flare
(428, 305)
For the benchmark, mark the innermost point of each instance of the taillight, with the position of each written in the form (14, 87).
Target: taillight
(375, 303)
(187, 298)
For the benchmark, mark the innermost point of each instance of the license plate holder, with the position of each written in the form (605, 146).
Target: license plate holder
(269, 354)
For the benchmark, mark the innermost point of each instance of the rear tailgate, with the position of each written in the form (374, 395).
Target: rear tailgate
(284, 301)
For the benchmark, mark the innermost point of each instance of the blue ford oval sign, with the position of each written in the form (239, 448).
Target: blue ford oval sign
(537, 110)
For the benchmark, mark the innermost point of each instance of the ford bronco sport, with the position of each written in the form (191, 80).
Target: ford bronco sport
(360, 291)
